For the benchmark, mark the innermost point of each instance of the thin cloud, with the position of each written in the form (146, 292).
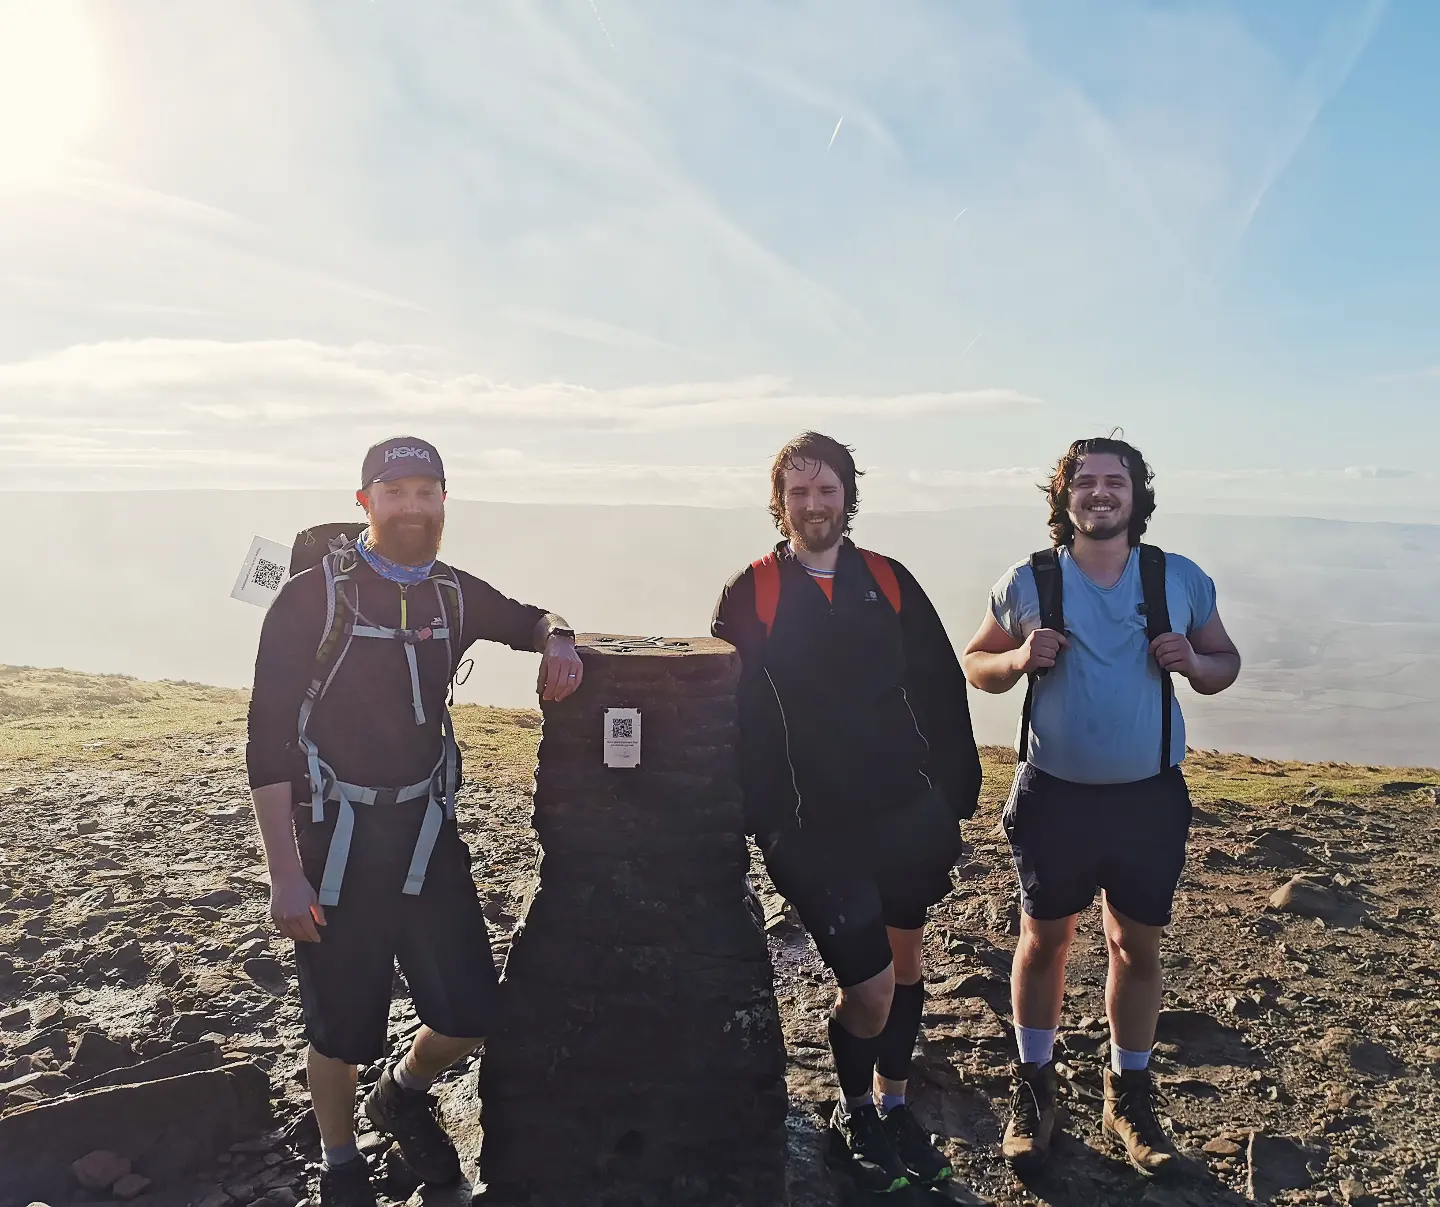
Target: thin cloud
(278, 382)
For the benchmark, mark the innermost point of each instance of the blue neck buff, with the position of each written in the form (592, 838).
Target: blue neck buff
(406, 576)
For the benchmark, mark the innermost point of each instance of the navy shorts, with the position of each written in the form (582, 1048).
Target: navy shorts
(1070, 839)
(438, 937)
(848, 886)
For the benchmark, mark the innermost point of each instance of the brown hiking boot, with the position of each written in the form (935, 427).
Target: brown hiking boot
(1131, 1122)
(1032, 1116)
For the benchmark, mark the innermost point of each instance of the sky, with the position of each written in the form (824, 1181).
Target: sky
(618, 251)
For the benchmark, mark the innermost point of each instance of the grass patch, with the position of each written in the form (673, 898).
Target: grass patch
(48, 715)
(1214, 775)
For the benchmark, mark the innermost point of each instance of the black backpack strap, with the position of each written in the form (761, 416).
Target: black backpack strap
(1045, 565)
(1157, 622)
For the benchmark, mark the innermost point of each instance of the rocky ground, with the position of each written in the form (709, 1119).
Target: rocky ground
(1299, 1047)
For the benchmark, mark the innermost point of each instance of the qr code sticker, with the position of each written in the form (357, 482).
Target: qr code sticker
(622, 727)
(267, 574)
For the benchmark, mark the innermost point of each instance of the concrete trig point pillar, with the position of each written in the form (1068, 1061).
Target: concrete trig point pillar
(641, 1059)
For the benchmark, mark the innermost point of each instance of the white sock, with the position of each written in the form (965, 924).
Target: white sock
(888, 1102)
(851, 1104)
(1122, 1060)
(407, 1080)
(1036, 1044)
(343, 1155)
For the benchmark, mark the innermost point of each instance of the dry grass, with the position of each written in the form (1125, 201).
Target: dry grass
(49, 715)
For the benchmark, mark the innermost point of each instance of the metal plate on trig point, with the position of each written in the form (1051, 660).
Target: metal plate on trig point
(635, 645)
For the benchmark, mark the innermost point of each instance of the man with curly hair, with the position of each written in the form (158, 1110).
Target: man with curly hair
(1099, 624)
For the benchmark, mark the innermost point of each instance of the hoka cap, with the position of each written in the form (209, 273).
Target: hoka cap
(401, 457)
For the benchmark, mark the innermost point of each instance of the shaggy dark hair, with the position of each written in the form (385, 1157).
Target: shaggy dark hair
(812, 446)
(1057, 490)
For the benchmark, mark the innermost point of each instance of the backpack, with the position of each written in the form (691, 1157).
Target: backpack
(1049, 584)
(767, 584)
(332, 548)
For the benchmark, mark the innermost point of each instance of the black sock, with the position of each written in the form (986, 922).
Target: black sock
(896, 1044)
(854, 1060)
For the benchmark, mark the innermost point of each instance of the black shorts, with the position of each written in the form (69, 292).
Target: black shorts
(438, 937)
(848, 886)
(1069, 839)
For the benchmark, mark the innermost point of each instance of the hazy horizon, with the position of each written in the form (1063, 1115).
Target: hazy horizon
(1335, 619)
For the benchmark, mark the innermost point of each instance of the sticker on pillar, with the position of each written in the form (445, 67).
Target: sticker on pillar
(622, 737)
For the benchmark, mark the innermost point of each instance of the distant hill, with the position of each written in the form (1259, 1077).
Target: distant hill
(1338, 622)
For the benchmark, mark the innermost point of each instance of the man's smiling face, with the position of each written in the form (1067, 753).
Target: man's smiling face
(1102, 497)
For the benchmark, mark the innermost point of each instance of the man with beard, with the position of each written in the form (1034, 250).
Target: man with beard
(1099, 623)
(857, 762)
(349, 719)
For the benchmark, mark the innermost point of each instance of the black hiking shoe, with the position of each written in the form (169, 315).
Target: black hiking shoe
(860, 1146)
(926, 1164)
(347, 1185)
(410, 1118)
(1032, 1116)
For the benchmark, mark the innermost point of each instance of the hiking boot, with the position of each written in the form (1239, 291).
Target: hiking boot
(925, 1164)
(1130, 1121)
(347, 1185)
(1032, 1116)
(861, 1147)
(409, 1116)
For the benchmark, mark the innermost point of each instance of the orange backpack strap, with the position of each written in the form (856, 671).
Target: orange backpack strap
(884, 575)
(767, 589)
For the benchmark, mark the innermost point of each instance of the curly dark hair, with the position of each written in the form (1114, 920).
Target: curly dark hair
(812, 446)
(1057, 490)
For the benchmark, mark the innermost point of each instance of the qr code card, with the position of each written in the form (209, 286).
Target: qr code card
(263, 573)
(622, 737)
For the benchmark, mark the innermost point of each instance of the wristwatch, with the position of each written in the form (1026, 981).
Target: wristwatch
(562, 632)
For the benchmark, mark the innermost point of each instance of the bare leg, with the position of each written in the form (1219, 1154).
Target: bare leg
(432, 1053)
(332, 1094)
(1037, 974)
(862, 1009)
(1133, 985)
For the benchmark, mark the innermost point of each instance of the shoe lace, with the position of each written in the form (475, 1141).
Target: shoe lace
(1138, 1102)
(1025, 1107)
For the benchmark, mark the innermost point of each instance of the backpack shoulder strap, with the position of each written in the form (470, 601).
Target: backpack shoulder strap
(767, 588)
(1152, 588)
(1157, 622)
(1049, 586)
(884, 575)
(340, 606)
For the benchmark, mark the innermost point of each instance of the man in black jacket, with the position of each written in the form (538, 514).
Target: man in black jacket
(858, 762)
(348, 720)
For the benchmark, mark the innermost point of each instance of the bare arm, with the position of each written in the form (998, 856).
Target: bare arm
(1207, 657)
(995, 662)
(294, 906)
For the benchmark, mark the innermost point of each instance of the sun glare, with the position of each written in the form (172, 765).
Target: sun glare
(49, 86)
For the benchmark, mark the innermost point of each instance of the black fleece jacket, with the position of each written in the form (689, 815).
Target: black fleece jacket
(847, 710)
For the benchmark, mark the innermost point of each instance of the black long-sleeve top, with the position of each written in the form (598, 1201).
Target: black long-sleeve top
(847, 710)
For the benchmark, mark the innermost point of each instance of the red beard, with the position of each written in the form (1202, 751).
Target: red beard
(408, 540)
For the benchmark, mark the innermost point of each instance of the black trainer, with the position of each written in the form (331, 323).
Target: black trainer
(409, 1116)
(926, 1164)
(860, 1146)
(347, 1185)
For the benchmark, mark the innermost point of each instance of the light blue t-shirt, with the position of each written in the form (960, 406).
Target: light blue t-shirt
(1096, 715)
